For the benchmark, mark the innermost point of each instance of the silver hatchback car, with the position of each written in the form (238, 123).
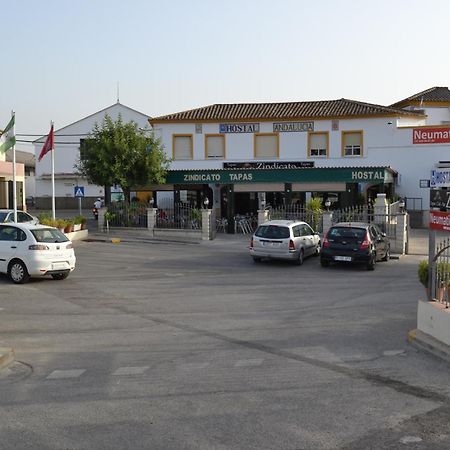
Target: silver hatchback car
(284, 239)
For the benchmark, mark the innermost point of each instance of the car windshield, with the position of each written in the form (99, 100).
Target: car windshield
(272, 232)
(3, 216)
(339, 234)
(49, 235)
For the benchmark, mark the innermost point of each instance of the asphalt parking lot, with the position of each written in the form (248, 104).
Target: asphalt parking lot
(167, 345)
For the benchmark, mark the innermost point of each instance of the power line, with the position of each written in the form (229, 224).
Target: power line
(60, 143)
(56, 134)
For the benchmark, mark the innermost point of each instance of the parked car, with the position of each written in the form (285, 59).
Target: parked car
(7, 215)
(284, 239)
(355, 242)
(29, 201)
(28, 250)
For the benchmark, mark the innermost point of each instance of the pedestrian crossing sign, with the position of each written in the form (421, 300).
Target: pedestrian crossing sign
(79, 191)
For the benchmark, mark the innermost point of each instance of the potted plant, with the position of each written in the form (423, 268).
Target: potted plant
(108, 217)
(77, 223)
(68, 226)
(422, 273)
(60, 224)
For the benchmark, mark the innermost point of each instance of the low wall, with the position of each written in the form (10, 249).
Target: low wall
(77, 235)
(434, 319)
(173, 233)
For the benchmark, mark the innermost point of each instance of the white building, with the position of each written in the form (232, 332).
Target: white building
(67, 150)
(238, 154)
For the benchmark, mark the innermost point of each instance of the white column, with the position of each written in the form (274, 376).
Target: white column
(151, 219)
(101, 218)
(401, 234)
(206, 225)
(263, 216)
(381, 210)
(327, 221)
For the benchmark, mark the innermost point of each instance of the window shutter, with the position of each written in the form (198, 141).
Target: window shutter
(319, 141)
(353, 139)
(215, 146)
(182, 147)
(266, 146)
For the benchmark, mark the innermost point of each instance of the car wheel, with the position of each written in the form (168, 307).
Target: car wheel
(324, 263)
(388, 254)
(300, 258)
(60, 276)
(18, 272)
(371, 263)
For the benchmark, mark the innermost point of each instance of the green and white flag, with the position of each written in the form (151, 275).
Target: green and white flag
(7, 138)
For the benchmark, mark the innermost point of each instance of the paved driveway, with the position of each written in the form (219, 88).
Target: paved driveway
(188, 346)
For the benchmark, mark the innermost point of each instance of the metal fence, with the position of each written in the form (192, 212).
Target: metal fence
(298, 212)
(440, 272)
(122, 214)
(181, 216)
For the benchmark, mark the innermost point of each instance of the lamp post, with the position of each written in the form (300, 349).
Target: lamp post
(327, 204)
(206, 202)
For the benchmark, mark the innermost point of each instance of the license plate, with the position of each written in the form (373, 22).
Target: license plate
(271, 244)
(343, 258)
(58, 266)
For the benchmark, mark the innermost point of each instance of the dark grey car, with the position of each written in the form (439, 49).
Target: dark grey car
(355, 242)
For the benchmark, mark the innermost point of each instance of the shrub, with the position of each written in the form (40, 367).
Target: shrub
(423, 272)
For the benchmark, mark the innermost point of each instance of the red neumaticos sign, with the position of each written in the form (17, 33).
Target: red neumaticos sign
(431, 135)
(440, 220)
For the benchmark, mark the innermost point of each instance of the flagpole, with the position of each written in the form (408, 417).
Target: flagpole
(13, 114)
(53, 177)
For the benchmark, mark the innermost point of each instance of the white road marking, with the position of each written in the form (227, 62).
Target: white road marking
(193, 366)
(249, 362)
(60, 374)
(131, 370)
(393, 352)
(410, 439)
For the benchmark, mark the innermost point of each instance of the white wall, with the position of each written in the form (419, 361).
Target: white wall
(384, 145)
(66, 155)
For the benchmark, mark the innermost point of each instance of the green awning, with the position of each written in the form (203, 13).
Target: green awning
(371, 175)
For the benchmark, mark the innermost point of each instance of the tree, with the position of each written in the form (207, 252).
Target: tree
(118, 153)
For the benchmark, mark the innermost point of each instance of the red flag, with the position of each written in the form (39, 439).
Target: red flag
(49, 144)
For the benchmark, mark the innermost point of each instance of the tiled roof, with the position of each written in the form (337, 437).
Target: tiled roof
(434, 94)
(283, 111)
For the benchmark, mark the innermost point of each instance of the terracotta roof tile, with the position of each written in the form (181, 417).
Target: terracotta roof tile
(283, 111)
(434, 94)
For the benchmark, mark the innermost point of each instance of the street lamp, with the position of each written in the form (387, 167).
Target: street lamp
(327, 204)
(401, 205)
(206, 202)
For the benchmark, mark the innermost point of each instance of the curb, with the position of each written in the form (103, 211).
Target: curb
(6, 357)
(429, 344)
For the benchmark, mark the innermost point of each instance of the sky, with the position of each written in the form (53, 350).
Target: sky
(63, 59)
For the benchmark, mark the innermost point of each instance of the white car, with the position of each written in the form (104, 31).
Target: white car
(284, 239)
(28, 250)
(7, 215)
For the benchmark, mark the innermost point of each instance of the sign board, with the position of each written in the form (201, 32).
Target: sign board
(239, 128)
(439, 220)
(439, 135)
(286, 127)
(440, 178)
(261, 165)
(78, 191)
(439, 198)
(322, 174)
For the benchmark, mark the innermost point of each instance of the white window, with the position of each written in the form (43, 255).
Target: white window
(266, 145)
(318, 145)
(214, 146)
(352, 143)
(182, 146)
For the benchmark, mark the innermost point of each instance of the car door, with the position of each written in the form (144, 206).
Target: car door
(8, 245)
(23, 217)
(308, 238)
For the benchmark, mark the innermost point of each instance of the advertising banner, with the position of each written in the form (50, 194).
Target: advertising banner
(439, 220)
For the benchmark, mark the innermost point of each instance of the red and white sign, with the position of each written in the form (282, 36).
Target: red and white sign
(440, 220)
(431, 135)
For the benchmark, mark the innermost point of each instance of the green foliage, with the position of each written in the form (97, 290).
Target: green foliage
(314, 210)
(423, 272)
(79, 220)
(118, 153)
(109, 216)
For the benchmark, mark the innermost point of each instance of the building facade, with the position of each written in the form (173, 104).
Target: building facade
(68, 141)
(347, 151)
